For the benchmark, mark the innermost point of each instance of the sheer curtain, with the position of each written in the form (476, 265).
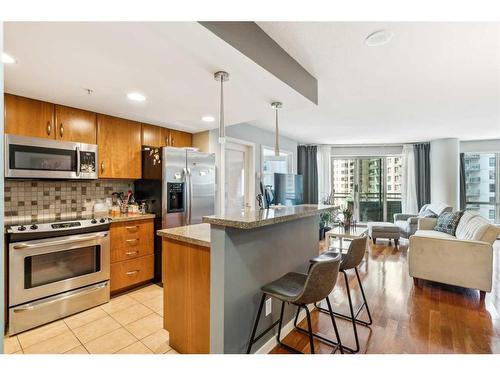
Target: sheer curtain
(409, 185)
(324, 173)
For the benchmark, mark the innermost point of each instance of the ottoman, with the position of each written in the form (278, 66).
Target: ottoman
(379, 229)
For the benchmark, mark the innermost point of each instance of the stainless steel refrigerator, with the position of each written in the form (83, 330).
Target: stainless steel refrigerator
(188, 191)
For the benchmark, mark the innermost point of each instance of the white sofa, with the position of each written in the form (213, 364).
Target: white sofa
(465, 259)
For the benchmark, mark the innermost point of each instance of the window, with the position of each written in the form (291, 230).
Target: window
(272, 164)
(374, 190)
(481, 189)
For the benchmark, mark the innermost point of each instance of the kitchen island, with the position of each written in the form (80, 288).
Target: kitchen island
(215, 284)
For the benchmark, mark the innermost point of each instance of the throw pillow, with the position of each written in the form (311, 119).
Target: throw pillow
(427, 214)
(447, 222)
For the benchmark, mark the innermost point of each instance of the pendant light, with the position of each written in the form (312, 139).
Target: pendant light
(276, 106)
(221, 77)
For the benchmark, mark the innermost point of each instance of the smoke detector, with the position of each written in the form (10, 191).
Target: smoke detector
(379, 38)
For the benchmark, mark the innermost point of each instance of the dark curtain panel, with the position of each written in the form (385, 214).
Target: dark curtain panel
(422, 173)
(307, 166)
(462, 182)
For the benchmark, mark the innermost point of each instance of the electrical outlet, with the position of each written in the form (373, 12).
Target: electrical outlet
(269, 306)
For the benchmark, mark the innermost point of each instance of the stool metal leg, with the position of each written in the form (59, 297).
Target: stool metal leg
(336, 345)
(358, 310)
(254, 330)
(334, 325)
(309, 326)
(364, 298)
(353, 317)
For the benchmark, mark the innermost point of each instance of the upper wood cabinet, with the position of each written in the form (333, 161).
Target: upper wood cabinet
(154, 136)
(28, 117)
(75, 125)
(180, 139)
(119, 144)
(158, 136)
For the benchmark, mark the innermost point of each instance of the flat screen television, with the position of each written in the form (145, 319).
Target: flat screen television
(288, 189)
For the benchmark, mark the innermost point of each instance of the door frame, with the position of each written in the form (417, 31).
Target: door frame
(251, 173)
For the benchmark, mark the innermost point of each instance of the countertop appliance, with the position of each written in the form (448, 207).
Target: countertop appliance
(165, 188)
(56, 269)
(31, 157)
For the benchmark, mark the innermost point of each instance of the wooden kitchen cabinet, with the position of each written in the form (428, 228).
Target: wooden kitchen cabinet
(28, 117)
(154, 136)
(119, 143)
(75, 125)
(132, 253)
(178, 138)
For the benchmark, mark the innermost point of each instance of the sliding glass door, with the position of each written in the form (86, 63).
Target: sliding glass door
(370, 186)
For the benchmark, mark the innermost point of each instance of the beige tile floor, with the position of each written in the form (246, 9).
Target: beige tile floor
(129, 324)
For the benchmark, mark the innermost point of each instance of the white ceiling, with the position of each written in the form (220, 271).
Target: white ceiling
(432, 80)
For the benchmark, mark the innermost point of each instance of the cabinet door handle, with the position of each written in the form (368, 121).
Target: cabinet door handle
(133, 240)
(49, 128)
(102, 167)
(61, 129)
(172, 141)
(166, 141)
(131, 227)
(132, 252)
(130, 273)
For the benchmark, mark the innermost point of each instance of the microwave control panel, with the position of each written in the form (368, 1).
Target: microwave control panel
(87, 162)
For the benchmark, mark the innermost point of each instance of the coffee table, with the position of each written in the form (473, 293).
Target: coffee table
(340, 233)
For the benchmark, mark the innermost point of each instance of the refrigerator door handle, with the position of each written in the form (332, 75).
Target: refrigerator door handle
(190, 195)
(186, 198)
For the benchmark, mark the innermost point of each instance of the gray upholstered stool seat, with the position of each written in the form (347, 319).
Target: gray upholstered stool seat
(287, 288)
(381, 229)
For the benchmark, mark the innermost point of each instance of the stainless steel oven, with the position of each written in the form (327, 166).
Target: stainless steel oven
(30, 157)
(53, 277)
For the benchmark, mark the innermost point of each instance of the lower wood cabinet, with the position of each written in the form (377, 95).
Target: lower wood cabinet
(132, 253)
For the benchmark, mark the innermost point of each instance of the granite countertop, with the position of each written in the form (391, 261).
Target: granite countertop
(254, 219)
(197, 234)
(130, 217)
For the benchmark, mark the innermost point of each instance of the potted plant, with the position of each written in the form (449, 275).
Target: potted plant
(347, 218)
(325, 218)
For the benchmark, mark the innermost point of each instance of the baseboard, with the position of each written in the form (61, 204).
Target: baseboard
(285, 330)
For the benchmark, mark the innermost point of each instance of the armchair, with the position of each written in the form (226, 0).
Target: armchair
(408, 223)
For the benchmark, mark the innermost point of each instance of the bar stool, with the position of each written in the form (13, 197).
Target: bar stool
(301, 289)
(350, 260)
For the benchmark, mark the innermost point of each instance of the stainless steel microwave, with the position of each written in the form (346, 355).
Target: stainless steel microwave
(29, 157)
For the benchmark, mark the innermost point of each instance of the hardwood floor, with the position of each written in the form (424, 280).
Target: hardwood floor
(432, 318)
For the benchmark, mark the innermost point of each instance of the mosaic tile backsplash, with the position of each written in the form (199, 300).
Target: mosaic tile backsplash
(28, 201)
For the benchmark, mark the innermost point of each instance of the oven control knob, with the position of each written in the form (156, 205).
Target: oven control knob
(93, 221)
(21, 228)
(34, 227)
(102, 220)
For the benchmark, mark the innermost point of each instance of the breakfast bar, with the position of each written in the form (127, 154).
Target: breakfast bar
(213, 273)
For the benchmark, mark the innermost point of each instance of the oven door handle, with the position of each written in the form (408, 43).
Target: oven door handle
(67, 295)
(24, 245)
(78, 161)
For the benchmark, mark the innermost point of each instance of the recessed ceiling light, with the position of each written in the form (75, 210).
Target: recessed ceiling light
(7, 59)
(208, 119)
(379, 38)
(135, 96)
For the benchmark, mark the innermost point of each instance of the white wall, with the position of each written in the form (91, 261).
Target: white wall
(445, 171)
(489, 145)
